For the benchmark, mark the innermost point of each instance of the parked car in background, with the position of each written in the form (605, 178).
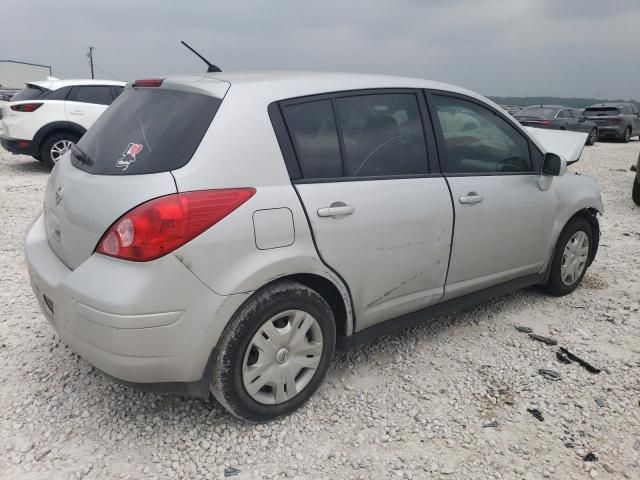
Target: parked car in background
(615, 120)
(558, 117)
(512, 109)
(5, 95)
(635, 192)
(45, 118)
(174, 254)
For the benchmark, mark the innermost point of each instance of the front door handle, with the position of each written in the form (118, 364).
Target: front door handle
(336, 211)
(471, 198)
(76, 112)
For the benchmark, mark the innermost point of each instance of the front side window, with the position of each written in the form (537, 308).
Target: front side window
(479, 141)
(382, 135)
(98, 94)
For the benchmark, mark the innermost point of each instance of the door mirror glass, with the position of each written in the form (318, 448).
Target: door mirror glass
(552, 165)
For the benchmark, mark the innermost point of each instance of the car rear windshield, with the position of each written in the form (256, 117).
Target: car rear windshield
(538, 112)
(146, 130)
(31, 92)
(601, 111)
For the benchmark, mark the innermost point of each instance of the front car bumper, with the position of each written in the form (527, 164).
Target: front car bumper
(152, 324)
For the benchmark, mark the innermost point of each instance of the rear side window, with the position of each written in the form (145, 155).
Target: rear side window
(146, 130)
(382, 135)
(30, 92)
(60, 94)
(478, 141)
(315, 137)
(601, 112)
(98, 94)
(564, 113)
(376, 135)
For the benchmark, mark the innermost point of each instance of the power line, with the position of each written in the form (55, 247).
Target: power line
(107, 73)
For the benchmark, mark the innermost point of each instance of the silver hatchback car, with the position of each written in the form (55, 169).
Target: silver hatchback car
(227, 232)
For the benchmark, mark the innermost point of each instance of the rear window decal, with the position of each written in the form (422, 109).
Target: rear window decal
(129, 155)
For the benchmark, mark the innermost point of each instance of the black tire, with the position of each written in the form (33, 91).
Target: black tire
(593, 137)
(38, 157)
(555, 285)
(50, 141)
(227, 383)
(626, 135)
(635, 193)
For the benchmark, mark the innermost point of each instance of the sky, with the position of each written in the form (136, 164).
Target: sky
(569, 48)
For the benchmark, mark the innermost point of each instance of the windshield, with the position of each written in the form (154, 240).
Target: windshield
(539, 112)
(601, 111)
(31, 92)
(146, 130)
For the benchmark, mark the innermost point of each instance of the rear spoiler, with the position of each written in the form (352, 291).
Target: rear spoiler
(568, 145)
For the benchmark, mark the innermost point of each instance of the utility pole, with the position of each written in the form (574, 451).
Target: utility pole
(90, 55)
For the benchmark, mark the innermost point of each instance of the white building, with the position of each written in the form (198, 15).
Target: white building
(14, 74)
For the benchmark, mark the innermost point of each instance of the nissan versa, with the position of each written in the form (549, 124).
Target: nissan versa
(226, 232)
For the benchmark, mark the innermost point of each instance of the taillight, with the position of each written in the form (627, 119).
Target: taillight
(163, 224)
(26, 107)
(148, 82)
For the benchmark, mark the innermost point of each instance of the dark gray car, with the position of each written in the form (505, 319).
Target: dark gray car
(557, 117)
(615, 120)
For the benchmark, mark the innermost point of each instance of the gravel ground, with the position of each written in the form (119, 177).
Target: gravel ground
(445, 400)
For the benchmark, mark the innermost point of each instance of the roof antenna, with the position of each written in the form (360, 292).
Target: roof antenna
(211, 66)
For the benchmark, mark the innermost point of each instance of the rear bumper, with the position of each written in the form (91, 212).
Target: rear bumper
(17, 146)
(153, 324)
(610, 131)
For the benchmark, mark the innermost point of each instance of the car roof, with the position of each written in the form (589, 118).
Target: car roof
(557, 107)
(272, 86)
(56, 84)
(609, 104)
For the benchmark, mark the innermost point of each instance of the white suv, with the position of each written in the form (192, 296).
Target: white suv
(229, 231)
(45, 118)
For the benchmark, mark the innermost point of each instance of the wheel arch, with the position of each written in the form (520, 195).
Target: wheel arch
(56, 127)
(330, 292)
(589, 213)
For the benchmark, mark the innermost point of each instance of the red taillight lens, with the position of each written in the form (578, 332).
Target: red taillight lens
(163, 224)
(148, 82)
(26, 107)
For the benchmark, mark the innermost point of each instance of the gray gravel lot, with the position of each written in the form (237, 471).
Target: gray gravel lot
(415, 405)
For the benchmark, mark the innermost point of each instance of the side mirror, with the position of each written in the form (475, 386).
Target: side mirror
(582, 119)
(553, 165)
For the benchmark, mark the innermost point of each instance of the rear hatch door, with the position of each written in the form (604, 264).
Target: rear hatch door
(604, 116)
(124, 160)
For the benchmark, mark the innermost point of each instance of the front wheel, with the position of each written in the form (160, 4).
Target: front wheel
(635, 193)
(274, 352)
(593, 137)
(571, 257)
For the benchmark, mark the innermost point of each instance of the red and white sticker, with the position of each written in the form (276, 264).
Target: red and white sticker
(129, 155)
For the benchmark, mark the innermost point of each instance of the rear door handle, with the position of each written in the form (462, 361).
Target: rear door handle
(336, 211)
(471, 198)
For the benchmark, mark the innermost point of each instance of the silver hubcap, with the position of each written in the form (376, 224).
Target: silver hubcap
(574, 258)
(282, 357)
(59, 148)
(594, 136)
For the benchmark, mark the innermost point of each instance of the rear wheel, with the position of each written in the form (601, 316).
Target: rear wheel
(571, 257)
(55, 146)
(274, 352)
(626, 136)
(635, 193)
(593, 137)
